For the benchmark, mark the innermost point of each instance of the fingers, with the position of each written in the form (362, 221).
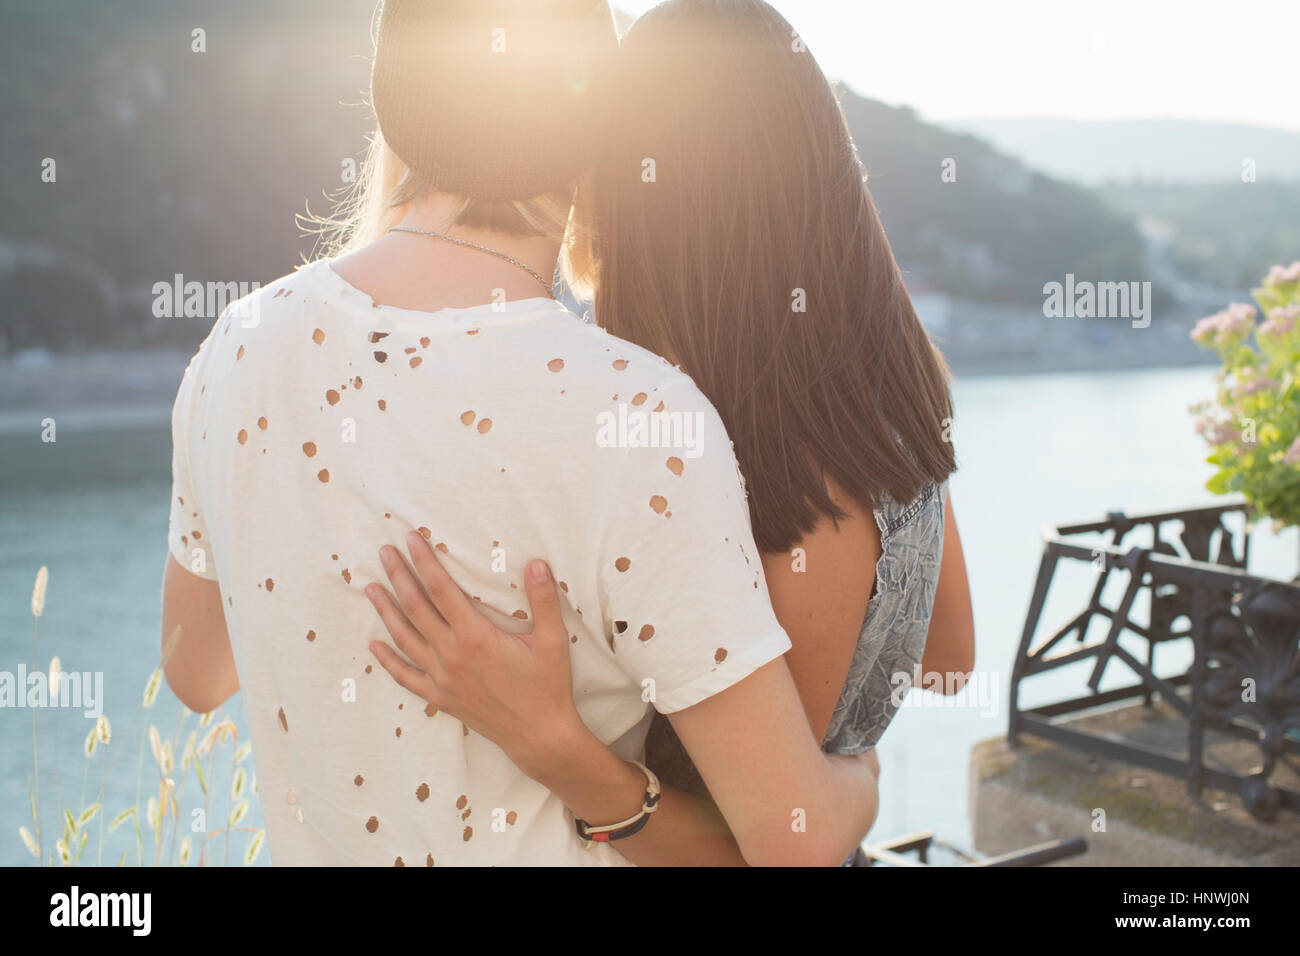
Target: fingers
(399, 628)
(412, 678)
(411, 597)
(544, 602)
(464, 619)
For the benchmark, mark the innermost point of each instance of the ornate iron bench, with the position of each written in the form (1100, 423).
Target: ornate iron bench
(1244, 678)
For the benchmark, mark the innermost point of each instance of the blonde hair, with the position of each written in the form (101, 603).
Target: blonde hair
(386, 188)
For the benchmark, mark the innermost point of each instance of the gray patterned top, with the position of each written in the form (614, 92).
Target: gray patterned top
(892, 639)
(890, 645)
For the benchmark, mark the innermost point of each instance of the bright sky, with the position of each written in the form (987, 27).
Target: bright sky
(1223, 60)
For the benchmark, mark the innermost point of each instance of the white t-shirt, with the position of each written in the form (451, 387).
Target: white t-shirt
(313, 427)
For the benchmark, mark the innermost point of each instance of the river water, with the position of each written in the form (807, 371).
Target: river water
(1032, 449)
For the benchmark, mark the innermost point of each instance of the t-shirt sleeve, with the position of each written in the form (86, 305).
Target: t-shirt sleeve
(187, 532)
(686, 606)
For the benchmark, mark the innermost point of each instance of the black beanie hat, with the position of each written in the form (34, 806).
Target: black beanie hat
(492, 99)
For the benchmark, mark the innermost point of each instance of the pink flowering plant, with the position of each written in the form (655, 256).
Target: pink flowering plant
(1253, 426)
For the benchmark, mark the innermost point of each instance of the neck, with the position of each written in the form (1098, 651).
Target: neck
(435, 213)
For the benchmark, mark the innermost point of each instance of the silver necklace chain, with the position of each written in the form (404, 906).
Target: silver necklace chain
(546, 286)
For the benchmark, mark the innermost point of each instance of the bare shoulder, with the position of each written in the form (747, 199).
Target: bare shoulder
(834, 552)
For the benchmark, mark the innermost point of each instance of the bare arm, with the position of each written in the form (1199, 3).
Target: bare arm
(599, 786)
(950, 643)
(820, 593)
(785, 801)
(200, 667)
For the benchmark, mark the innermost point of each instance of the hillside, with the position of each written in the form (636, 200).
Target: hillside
(172, 162)
(1166, 151)
(168, 161)
(1224, 235)
(999, 231)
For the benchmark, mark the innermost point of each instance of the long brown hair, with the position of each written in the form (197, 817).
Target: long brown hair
(729, 194)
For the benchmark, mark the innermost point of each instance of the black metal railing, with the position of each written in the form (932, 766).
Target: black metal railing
(1244, 679)
(894, 852)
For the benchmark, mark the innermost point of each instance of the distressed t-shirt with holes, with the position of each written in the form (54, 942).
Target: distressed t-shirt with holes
(313, 427)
